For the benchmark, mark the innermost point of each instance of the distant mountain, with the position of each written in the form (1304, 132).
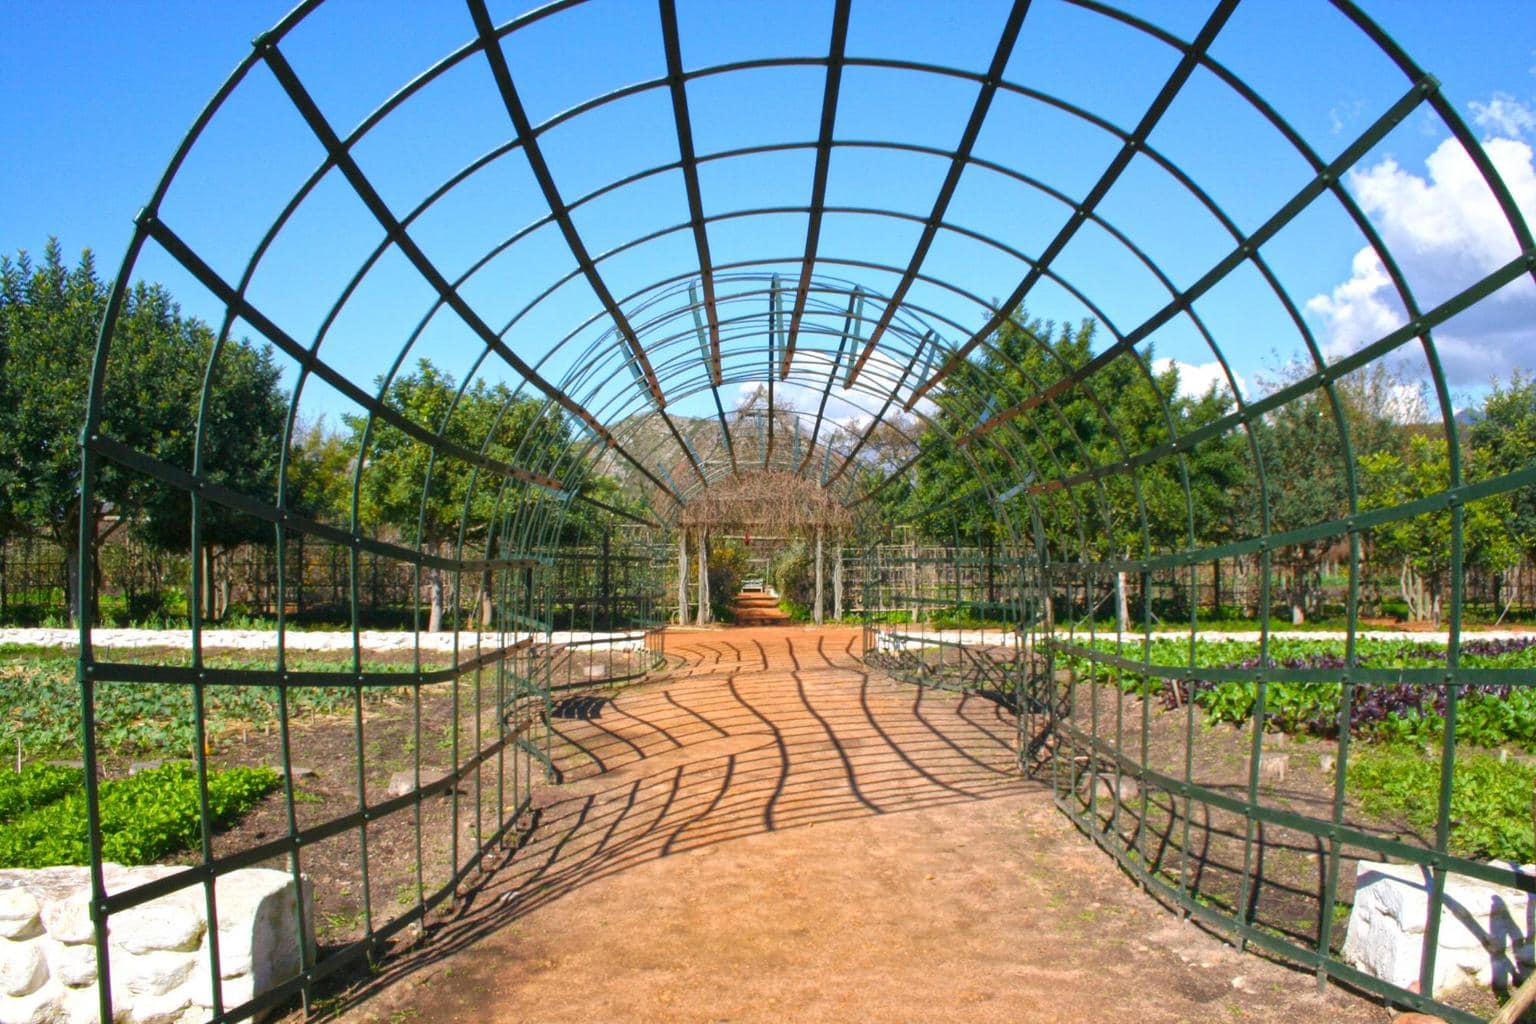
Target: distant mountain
(646, 437)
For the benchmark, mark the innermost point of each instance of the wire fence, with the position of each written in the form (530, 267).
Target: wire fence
(142, 585)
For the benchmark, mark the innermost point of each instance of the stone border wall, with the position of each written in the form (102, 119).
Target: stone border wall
(159, 958)
(1486, 931)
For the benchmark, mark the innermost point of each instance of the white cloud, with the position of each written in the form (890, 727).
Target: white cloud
(1195, 379)
(1503, 116)
(1342, 115)
(850, 408)
(1361, 309)
(1406, 402)
(1445, 231)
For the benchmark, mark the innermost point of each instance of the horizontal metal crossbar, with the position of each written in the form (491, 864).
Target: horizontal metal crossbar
(991, 425)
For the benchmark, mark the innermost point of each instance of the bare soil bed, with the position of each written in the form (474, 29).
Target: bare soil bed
(774, 832)
(345, 760)
(1210, 850)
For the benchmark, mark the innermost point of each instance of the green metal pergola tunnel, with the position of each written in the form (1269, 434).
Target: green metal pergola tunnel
(846, 246)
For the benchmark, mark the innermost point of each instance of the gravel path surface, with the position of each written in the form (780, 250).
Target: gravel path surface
(774, 834)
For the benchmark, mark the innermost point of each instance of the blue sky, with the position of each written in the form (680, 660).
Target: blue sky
(99, 95)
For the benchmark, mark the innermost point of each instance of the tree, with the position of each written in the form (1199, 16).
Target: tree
(456, 503)
(49, 319)
(1421, 544)
(1307, 467)
(1503, 440)
(320, 464)
(241, 439)
(320, 473)
(1118, 412)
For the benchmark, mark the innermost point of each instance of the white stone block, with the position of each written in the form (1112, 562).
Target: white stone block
(165, 1009)
(1485, 930)
(74, 966)
(159, 950)
(22, 967)
(69, 920)
(45, 1006)
(19, 914)
(257, 927)
(234, 991)
(82, 1006)
(237, 990)
(169, 923)
(153, 974)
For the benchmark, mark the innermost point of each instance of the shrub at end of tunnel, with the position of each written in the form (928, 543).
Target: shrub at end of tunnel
(143, 818)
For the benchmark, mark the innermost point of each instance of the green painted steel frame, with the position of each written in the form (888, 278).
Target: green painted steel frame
(711, 308)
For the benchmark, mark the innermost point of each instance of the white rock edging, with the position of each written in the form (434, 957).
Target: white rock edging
(319, 640)
(158, 951)
(1485, 929)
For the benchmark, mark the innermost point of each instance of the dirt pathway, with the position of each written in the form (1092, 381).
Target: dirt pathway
(773, 834)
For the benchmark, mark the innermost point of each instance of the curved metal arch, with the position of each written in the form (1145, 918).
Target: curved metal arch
(618, 94)
(457, 56)
(540, 509)
(929, 313)
(591, 353)
(466, 380)
(961, 396)
(933, 425)
(1071, 289)
(994, 489)
(864, 211)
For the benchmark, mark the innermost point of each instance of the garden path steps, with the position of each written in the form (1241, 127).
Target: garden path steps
(775, 833)
(758, 609)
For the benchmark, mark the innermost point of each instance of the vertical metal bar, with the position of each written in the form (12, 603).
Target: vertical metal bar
(1143, 786)
(201, 551)
(490, 45)
(285, 744)
(1447, 748)
(1341, 763)
(479, 691)
(354, 596)
(773, 336)
(835, 50)
(994, 77)
(1137, 139)
(85, 673)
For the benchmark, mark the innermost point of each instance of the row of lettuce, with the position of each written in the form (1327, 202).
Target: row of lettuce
(1394, 772)
(41, 702)
(1488, 715)
(153, 814)
(145, 817)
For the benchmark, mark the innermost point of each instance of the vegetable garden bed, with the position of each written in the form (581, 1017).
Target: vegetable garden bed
(1201, 731)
